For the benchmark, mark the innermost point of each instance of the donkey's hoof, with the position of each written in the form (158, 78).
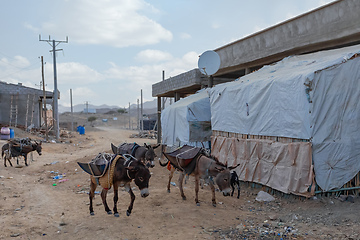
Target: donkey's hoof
(116, 215)
(168, 190)
(92, 213)
(198, 204)
(128, 213)
(109, 212)
(214, 204)
(184, 198)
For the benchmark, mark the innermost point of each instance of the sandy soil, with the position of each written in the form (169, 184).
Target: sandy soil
(35, 206)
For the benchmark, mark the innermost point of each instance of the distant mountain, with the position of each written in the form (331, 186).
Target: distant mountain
(149, 107)
(81, 107)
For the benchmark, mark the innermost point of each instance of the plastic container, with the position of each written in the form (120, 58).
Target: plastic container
(5, 136)
(12, 133)
(5, 131)
(81, 130)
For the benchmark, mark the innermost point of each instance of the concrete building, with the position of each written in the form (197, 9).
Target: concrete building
(22, 106)
(331, 26)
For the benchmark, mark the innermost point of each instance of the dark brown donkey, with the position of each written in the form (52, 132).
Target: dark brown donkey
(14, 149)
(204, 167)
(144, 153)
(125, 170)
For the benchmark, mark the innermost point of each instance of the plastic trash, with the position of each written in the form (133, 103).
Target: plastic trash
(58, 177)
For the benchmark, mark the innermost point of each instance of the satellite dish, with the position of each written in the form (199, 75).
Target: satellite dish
(209, 63)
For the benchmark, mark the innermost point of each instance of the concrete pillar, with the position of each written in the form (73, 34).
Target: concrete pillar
(247, 71)
(159, 120)
(177, 96)
(211, 81)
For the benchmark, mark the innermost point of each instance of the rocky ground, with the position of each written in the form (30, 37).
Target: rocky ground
(34, 205)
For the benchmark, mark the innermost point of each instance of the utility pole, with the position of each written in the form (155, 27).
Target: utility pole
(44, 98)
(138, 115)
(54, 44)
(87, 107)
(72, 112)
(142, 117)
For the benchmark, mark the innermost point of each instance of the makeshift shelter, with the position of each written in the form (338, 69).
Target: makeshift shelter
(187, 121)
(284, 119)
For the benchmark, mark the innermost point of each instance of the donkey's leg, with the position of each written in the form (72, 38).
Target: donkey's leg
(213, 193)
(181, 179)
(128, 188)
(25, 159)
(116, 198)
(103, 198)
(197, 183)
(91, 196)
(238, 188)
(233, 188)
(171, 174)
(8, 158)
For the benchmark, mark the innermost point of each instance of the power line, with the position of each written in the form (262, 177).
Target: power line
(54, 43)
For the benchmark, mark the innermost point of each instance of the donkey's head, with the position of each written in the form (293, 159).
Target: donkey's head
(37, 147)
(150, 155)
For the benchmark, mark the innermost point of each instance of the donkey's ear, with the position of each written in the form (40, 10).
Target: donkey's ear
(230, 168)
(114, 148)
(219, 169)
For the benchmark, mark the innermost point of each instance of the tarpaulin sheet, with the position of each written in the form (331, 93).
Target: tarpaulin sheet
(286, 167)
(314, 97)
(188, 114)
(335, 120)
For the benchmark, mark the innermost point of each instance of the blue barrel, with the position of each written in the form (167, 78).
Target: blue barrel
(12, 133)
(81, 130)
(78, 128)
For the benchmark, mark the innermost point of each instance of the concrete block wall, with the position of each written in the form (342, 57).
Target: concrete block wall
(27, 101)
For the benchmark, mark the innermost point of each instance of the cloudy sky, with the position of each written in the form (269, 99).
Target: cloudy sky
(118, 47)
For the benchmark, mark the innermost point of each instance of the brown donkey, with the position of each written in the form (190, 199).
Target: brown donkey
(122, 172)
(207, 168)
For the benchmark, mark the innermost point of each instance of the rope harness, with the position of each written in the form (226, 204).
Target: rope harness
(107, 178)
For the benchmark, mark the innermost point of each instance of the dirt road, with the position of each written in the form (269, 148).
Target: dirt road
(35, 206)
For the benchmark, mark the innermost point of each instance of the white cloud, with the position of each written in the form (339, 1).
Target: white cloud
(151, 55)
(117, 23)
(75, 73)
(215, 26)
(84, 92)
(130, 80)
(185, 36)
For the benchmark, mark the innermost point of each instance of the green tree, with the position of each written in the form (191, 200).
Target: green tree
(91, 120)
(122, 110)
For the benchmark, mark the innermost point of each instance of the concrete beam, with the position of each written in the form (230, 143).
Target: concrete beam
(333, 25)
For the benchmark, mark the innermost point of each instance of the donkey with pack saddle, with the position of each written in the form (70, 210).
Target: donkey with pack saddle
(196, 162)
(144, 153)
(109, 170)
(19, 147)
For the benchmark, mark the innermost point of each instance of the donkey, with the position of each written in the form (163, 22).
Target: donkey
(206, 168)
(125, 170)
(235, 181)
(15, 149)
(144, 153)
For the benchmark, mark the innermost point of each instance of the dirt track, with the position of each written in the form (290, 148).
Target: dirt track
(31, 207)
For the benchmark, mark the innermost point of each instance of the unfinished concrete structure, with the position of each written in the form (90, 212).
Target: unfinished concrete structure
(22, 106)
(331, 26)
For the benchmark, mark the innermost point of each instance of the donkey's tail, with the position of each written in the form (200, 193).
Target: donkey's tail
(164, 164)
